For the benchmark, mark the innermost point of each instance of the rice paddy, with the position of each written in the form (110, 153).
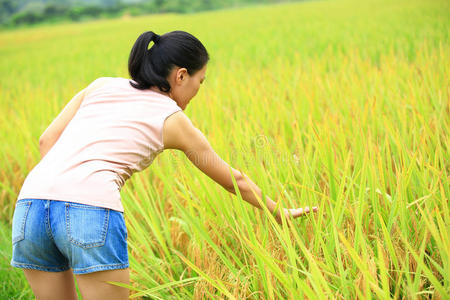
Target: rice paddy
(340, 104)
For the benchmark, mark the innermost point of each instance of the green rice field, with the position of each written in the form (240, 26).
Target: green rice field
(343, 104)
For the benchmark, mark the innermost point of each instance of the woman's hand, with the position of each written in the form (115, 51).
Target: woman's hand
(293, 213)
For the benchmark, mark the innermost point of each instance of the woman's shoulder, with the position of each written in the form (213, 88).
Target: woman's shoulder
(106, 79)
(118, 82)
(97, 84)
(101, 81)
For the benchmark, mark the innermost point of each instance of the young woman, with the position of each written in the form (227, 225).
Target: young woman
(69, 217)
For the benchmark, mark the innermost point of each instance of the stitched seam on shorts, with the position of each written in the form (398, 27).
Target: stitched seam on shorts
(22, 225)
(85, 206)
(37, 266)
(99, 266)
(48, 228)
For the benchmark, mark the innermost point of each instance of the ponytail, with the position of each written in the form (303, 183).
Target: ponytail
(150, 67)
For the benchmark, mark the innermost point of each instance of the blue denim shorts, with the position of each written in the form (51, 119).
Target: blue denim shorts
(54, 236)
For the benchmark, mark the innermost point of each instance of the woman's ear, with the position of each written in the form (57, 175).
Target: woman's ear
(181, 75)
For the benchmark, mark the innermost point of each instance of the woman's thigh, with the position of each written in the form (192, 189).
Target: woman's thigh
(51, 285)
(95, 285)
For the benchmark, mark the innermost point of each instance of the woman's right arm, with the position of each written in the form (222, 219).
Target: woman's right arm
(179, 133)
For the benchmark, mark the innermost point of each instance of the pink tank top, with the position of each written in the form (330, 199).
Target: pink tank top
(116, 131)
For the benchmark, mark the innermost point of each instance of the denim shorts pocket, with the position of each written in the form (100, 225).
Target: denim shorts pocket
(19, 220)
(86, 225)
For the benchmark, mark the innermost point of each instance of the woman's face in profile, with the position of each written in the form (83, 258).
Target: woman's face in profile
(187, 86)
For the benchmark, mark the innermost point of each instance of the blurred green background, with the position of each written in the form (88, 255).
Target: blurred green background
(21, 12)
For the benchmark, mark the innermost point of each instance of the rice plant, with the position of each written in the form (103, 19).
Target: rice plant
(340, 104)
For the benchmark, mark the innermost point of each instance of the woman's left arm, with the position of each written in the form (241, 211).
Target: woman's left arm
(54, 130)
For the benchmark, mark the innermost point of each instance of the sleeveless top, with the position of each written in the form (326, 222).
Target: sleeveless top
(116, 131)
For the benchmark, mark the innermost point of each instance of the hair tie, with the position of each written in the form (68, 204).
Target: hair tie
(155, 38)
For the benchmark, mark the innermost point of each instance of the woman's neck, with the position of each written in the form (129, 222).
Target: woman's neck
(157, 90)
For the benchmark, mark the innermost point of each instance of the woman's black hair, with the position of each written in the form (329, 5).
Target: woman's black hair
(150, 67)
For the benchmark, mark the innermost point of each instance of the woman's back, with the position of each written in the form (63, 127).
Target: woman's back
(116, 131)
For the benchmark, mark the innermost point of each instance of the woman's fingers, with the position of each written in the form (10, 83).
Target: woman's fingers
(301, 211)
(296, 212)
